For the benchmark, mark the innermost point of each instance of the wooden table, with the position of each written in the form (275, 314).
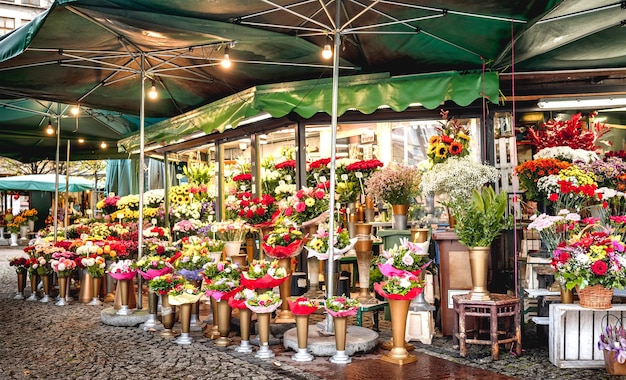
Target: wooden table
(501, 310)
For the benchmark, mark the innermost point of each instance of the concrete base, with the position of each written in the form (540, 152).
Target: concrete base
(358, 339)
(109, 317)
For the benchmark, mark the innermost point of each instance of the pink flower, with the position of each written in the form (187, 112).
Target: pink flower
(300, 206)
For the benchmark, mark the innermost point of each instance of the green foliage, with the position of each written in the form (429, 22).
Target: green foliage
(481, 221)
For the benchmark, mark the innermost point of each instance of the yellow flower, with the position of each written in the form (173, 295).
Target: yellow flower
(434, 140)
(462, 135)
(441, 151)
(309, 202)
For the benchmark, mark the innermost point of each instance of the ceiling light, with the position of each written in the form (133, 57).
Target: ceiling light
(103, 145)
(226, 60)
(49, 128)
(81, 140)
(582, 102)
(327, 52)
(153, 94)
(75, 110)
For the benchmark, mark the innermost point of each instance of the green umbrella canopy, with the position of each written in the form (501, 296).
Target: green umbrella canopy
(44, 182)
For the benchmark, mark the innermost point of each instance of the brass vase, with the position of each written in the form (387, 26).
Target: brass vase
(87, 291)
(123, 288)
(21, 285)
(96, 283)
(214, 331)
(185, 321)
(245, 318)
(398, 355)
(132, 296)
(195, 323)
(45, 280)
(224, 314)
(419, 235)
(567, 295)
(302, 329)
(168, 316)
(340, 356)
(285, 315)
(363, 229)
(263, 322)
(62, 291)
(33, 287)
(151, 324)
(313, 272)
(479, 266)
(400, 216)
(364, 261)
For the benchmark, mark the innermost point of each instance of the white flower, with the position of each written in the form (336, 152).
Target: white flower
(566, 153)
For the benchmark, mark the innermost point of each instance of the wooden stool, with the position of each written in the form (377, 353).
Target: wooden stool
(500, 308)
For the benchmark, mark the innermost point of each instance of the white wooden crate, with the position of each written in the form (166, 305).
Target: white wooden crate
(574, 334)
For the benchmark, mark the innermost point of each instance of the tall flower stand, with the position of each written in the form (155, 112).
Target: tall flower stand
(62, 291)
(313, 264)
(21, 284)
(302, 310)
(24, 233)
(340, 356)
(87, 290)
(96, 283)
(153, 302)
(263, 322)
(45, 280)
(214, 332)
(245, 319)
(13, 239)
(185, 320)
(33, 286)
(195, 323)
(168, 317)
(364, 255)
(285, 315)
(124, 288)
(224, 314)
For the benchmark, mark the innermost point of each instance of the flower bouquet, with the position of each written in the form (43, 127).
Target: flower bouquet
(238, 300)
(21, 264)
(190, 265)
(530, 172)
(256, 211)
(306, 204)
(164, 283)
(283, 241)
(234, 230)
(341, 306)
(403, 287)
(406, 258)
(184, 293)
(613, 344)
(152, 266)
(302, 306)
(396, 184)
(95, 265)
(317, 172)
(122, 270)
(30, 214)
(570, 189)
(318, 245)
(63, 266)
(263, 303)
(262, 274)
(223, 288)
(592, 257)
(220, 269)
(452, 140)
(554, 229)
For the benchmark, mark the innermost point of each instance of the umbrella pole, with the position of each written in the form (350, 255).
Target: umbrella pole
(142, 116)
(55, 208)
(330, 278)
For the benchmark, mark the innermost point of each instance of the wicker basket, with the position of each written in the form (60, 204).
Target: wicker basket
(595, 297)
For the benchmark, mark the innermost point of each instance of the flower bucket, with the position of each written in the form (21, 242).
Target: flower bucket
(613, 367)
(595, 297)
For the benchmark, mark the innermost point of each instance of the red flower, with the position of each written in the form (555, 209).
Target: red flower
(554, 197)
(456, 148)
(599, 268)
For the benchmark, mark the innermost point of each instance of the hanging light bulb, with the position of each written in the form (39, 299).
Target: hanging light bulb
(153, 94)
(49, 128)
(103, 145)
(75, 110)
(81, 140)
(226, 63)
(327, 52)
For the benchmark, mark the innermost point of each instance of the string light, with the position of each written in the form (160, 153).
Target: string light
(153, 94)
(226, 63)
(49, 128)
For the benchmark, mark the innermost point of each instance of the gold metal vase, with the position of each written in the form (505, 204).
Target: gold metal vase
(263, 323)
(479, 266)
(364, 261)
(62, 291)
(21, 284)
(245, 319)
(168, 316)
(45, 280)
(33, 287)
(567, 295)
(96, 284)
(341, 331)
(185, 324)
(123, 288)
(87, 291)
(398, 354)
(213, 332)
(285, 315)
(302, 330)
(224, 314)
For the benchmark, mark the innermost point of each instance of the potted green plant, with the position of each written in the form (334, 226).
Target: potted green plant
(479, 222)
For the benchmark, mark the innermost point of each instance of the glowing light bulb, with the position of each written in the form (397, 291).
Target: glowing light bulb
(153, 94)
(327, 52)
(103, 145)
(75, 110)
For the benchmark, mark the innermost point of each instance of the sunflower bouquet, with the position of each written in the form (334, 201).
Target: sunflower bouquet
(452, 140)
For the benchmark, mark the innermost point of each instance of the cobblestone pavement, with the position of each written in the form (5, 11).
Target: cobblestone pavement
(44, 341)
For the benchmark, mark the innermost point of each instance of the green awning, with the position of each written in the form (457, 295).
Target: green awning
(364, 93)
(44, 182)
